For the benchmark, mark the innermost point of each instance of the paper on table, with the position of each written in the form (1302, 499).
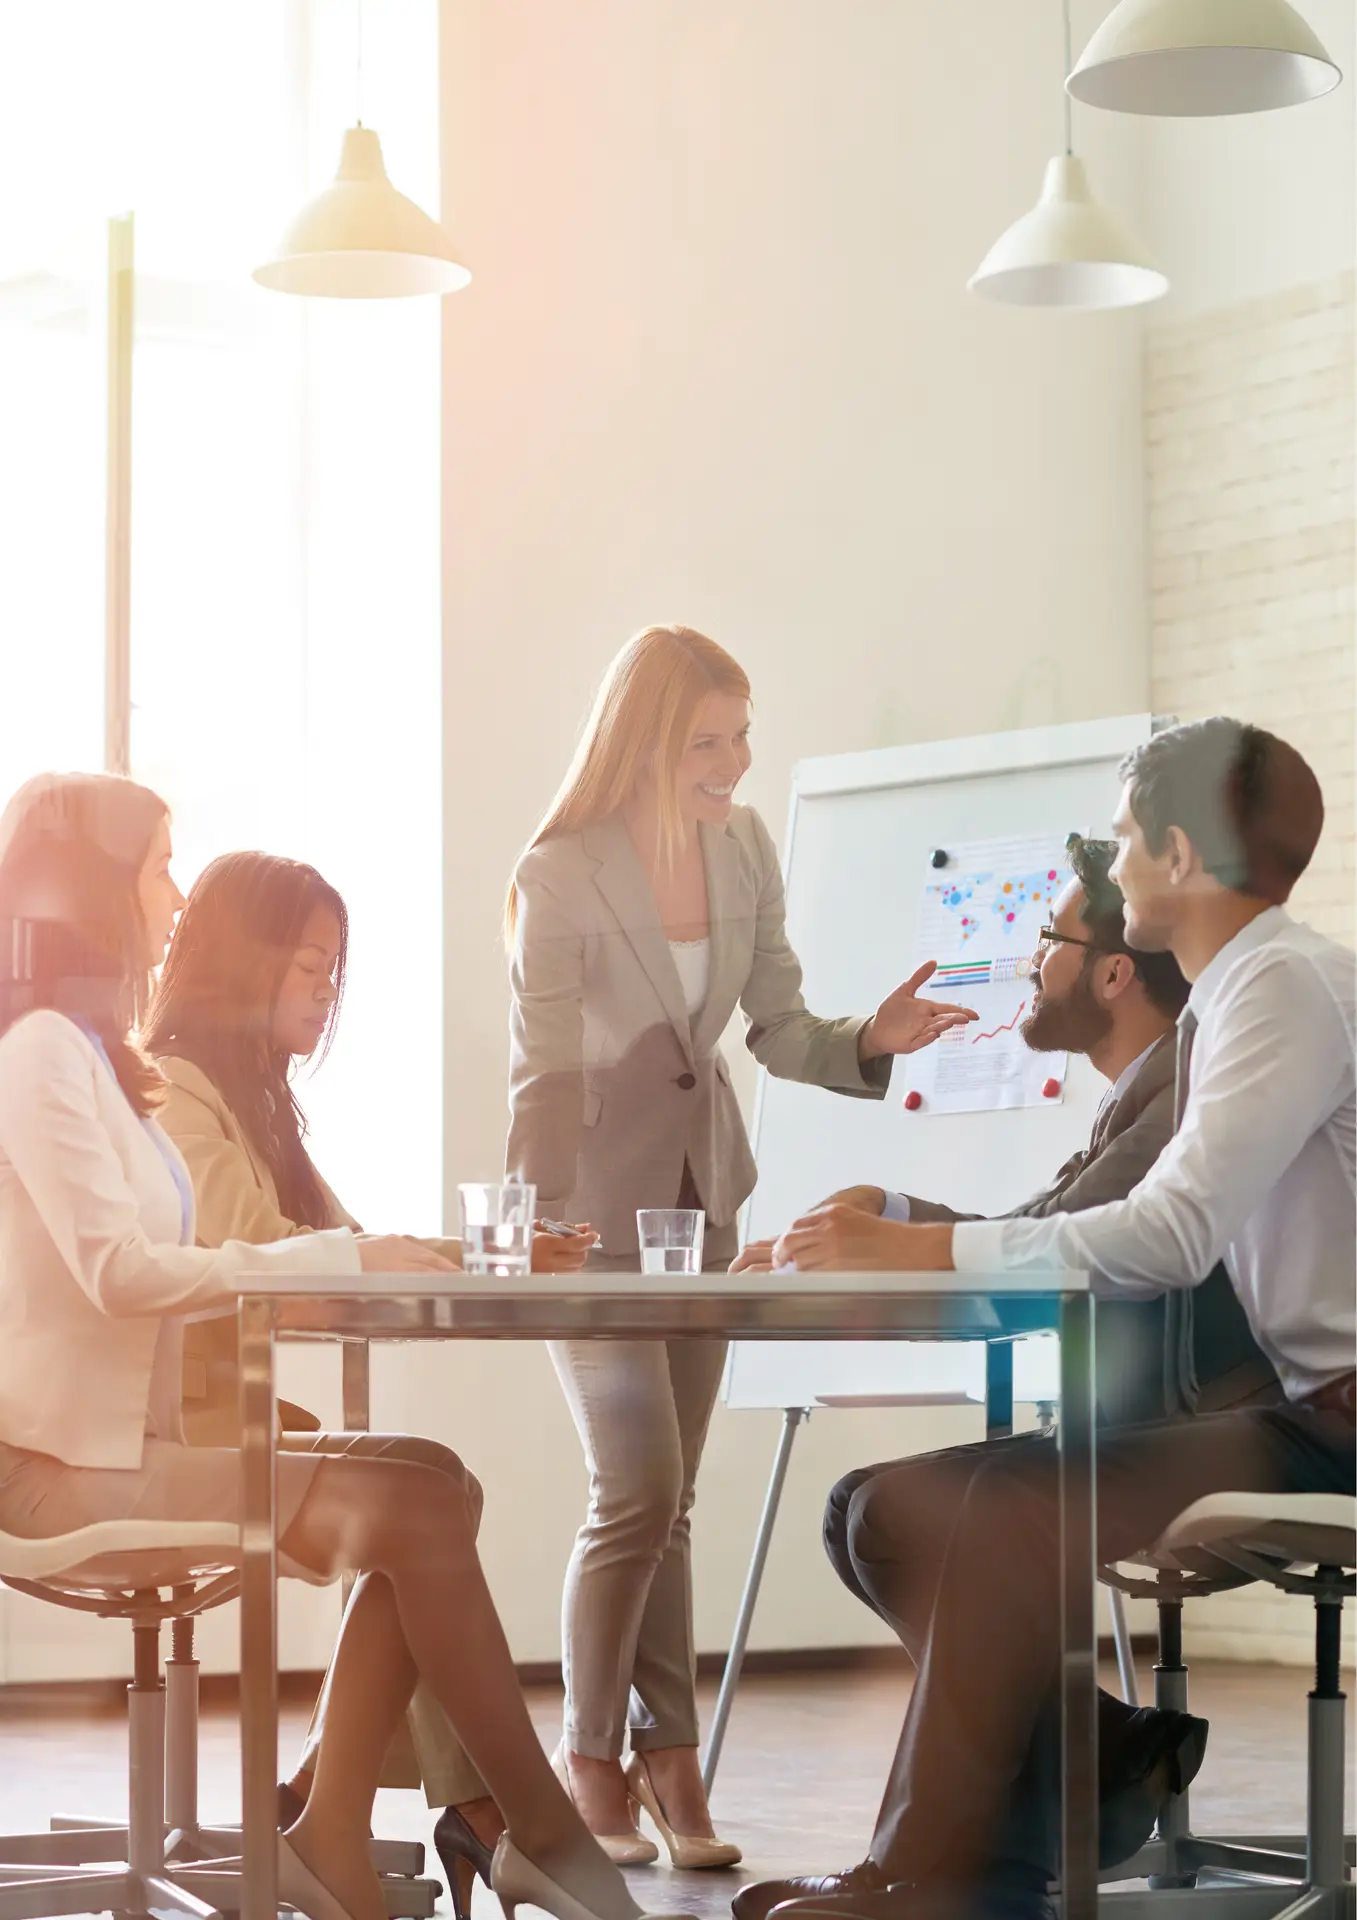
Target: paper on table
(980, 919)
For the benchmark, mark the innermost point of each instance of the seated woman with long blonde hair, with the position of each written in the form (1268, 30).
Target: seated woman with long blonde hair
(99, 1267)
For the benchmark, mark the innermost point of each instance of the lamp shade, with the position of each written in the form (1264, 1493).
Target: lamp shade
(361, 240)
(1202, 57)
(1067, 252)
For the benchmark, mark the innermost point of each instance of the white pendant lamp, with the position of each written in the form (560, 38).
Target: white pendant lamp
(361, 239)
(1068, 251)
(1202, 57)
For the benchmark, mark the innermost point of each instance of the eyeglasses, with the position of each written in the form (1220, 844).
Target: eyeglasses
(1050, 938)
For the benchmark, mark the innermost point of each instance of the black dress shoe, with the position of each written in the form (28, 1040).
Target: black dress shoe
(757, 1900)
(904, 1901)
(1159, 1753)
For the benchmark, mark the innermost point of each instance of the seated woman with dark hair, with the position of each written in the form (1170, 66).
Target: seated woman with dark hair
(252, 986)
(98, 1270)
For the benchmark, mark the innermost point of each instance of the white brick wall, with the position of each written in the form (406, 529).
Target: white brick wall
(1249, 426)
(1249, 422)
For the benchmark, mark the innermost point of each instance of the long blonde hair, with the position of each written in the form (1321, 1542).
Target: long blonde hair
(642, 720)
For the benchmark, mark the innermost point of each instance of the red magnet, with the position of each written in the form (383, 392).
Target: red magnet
(913, 1100)
(1051, 1090)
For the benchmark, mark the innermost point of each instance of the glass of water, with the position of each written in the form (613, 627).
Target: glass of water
(671, 1239)
(497, 1227)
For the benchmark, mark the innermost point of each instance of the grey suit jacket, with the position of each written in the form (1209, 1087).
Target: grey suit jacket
(1137, 1374)
(612, 1088)
(1128, 1136)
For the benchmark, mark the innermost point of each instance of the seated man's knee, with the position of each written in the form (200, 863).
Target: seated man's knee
(834, 1530)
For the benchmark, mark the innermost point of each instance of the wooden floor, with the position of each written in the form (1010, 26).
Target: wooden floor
(798, 1787)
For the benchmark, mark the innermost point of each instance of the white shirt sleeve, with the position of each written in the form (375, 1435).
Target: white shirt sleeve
(1272, 1060)
(60, 1150)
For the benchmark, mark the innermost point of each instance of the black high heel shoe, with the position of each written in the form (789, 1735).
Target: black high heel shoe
(464, 1857)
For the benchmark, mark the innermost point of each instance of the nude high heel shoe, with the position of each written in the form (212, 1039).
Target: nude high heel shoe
(623, 1849)
(516, 1880)
(300, 1888)
(690, 1850)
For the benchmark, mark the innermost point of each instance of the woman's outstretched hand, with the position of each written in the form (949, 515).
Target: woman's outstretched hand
(397, 1253)
(562, 1253)
(903, 1023)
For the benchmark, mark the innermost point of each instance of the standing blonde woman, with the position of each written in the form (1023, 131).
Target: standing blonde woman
(647, 907)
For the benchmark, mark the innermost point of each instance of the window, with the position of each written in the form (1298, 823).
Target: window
(285, 491)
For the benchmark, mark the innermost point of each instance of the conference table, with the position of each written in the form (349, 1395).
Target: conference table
(360, 1309)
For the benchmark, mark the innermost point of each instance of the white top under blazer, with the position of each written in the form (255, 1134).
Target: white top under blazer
(90, 1257)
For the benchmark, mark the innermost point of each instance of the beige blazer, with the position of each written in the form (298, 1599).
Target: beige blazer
(611, 1086)
(90, 1253)
(236, 1199)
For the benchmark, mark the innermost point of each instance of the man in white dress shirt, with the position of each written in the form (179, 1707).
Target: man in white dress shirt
(1215, 824)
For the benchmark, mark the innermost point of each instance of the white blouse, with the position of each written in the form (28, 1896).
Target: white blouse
(692, 960)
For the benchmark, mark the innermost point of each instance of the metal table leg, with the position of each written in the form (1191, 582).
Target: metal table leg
(998, 1389)
(356, 1407)
(356, 1376)
(730, 1679)
(1121, 1640)
(1078, 1624)
(258, 1614)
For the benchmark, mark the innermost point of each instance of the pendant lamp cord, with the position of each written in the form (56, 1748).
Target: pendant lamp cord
(1069, 62)
(358, 68)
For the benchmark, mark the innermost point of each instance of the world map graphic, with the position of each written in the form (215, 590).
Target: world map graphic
(996, 901)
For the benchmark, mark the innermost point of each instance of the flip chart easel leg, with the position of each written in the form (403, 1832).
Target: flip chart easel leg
(730, 1679)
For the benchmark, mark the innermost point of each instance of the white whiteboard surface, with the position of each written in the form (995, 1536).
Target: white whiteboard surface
(860, 830)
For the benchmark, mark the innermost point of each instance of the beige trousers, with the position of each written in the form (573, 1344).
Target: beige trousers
(641, 1409)
(425, 1750)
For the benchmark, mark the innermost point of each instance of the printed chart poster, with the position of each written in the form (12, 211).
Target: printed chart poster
(981, 918)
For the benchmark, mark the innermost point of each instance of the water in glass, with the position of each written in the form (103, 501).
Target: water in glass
(501, 1248)
(671, 1260)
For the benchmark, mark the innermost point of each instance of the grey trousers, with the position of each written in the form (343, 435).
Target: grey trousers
(641, 1409)
(425, 1750)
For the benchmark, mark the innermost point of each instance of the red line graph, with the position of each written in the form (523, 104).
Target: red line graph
(1007, 1027)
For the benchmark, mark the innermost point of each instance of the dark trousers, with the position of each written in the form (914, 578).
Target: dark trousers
(959, 1553)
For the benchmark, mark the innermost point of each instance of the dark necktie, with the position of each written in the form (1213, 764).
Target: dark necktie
(1187, 1033)
(1181, 1389)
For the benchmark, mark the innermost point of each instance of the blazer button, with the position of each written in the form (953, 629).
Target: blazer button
(687, 1081)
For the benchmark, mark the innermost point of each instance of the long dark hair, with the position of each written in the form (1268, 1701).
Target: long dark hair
(215, 1002)
(72, 933)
